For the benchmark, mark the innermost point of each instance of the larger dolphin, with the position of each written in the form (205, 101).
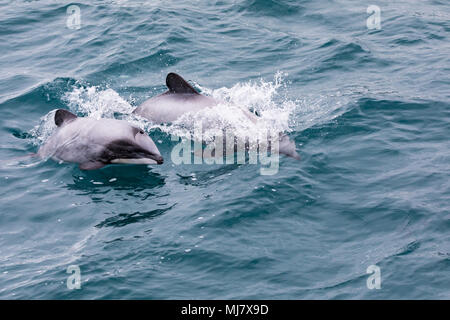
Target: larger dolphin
(182, 98)
(94, 143)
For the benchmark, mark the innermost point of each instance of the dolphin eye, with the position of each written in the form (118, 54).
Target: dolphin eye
(137, 130)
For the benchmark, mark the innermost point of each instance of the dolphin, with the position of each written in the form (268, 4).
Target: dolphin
(94, 143)
(172, 104)
(181, 98)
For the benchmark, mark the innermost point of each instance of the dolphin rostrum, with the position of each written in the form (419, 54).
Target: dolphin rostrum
(94, 143)
(182, 98)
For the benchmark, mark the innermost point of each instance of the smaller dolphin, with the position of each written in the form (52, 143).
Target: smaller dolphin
(182, 98)
(95, 143)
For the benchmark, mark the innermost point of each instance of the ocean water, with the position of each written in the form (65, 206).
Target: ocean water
(368, 109)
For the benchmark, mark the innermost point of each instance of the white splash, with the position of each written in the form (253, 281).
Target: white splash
(97, 103)
(231, 113)
(44, 129)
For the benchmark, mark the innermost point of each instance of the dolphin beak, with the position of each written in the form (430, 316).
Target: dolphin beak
(157, 158)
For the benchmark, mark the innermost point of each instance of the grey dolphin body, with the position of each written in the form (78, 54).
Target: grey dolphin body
(172, 104)
(182, 98)
(95, 143)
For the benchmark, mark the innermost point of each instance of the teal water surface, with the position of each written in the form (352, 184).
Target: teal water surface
(369, 112)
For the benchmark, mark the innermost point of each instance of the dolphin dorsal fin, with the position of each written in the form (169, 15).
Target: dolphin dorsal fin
(177, 84)
(63, 116)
